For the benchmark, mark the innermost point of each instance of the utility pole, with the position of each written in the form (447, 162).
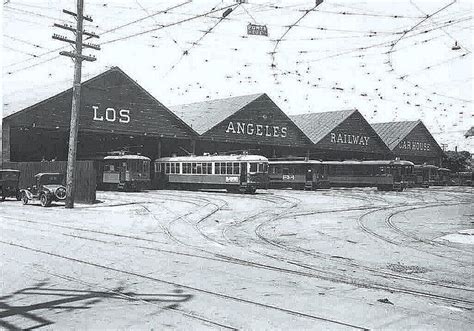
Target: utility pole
(76, 89)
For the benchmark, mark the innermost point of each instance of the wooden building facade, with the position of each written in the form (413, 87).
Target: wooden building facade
(115, 113)
(410, 140)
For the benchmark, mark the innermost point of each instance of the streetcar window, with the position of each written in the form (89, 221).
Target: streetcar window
(146, 167)
(286, 171)
(193, 168)
(199, 168)
(217, 168)
(167, 168)
(236, 168)
(229, 168)
(253, 167)
(172, 168)
(265, 167)
(209, 168)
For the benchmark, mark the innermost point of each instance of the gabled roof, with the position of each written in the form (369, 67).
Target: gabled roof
(393, 132)
(203, 116)
(109, 86)
(317, 125)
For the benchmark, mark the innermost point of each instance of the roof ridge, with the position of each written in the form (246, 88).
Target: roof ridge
(221, 99)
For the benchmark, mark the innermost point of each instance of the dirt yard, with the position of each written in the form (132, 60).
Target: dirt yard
(280, 259)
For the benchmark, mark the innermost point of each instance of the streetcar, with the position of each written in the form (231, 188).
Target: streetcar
(425, 175)
(235, 173)
(443, 177)
(300, 174)
(125, 172)
(464, 178)
(385, 175)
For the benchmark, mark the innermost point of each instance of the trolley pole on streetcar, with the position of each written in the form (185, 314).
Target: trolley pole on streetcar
(76, 89)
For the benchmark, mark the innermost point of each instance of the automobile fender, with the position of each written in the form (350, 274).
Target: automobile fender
(28, 194)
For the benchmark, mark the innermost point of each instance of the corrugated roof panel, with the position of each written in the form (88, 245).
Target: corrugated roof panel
(317, 125)
(393, 132)
(203, 116)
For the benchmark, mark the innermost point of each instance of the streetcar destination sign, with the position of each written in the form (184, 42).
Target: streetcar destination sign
(257, 129)
(350, 139)
(257, 30)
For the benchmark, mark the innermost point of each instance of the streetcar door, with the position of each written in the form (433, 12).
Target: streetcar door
(309, 174)
(122, 171)
(243, 172)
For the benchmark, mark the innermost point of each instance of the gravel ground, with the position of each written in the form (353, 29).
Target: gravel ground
(280, 259)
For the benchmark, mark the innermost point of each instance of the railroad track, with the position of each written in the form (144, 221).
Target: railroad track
(188, 287)
(341, 278)
(390, 223)
(396, 242)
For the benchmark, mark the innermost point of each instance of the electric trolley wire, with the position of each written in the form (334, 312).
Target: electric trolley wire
(272, 65)
(195, 43)
(167, 25)
(416, 25)
(63, 47)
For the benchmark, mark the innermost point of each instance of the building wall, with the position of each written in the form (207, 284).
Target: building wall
(261, 122)
(354, 138)
(420, 147)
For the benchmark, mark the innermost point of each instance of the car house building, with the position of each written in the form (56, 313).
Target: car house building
(341, 135)
(250, 122)
(115, 113)
(410, 140)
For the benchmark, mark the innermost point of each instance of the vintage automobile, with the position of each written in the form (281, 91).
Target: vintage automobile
(48, 188)
(9, 180)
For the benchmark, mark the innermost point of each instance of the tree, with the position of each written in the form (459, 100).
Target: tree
(457, 161)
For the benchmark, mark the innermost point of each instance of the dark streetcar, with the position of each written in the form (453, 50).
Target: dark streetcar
(386, 175)
(125, 173)
(298, 174)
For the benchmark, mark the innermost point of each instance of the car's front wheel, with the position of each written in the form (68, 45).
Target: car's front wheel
(45, 201)
(18, 196)
(24, 198)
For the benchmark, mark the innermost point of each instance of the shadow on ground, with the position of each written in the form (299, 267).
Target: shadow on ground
(42, 297)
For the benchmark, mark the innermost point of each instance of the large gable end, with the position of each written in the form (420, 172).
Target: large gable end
(110, 102)
(260, 121)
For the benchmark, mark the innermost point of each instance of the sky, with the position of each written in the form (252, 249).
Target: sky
(392, 60)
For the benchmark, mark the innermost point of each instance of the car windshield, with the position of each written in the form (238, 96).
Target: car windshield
(51, 179)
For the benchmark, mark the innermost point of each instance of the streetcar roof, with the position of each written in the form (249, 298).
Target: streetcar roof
(127, 157)
(41, 174)
(370, 162)
(444, 169)
(296, 162)
(214, 158)
(426, 166)
(348, 162)
(9, 170)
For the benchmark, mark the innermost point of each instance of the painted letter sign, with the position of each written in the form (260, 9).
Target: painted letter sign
(111, 115)
(350, 139)
(414, 145)
(257, 129)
